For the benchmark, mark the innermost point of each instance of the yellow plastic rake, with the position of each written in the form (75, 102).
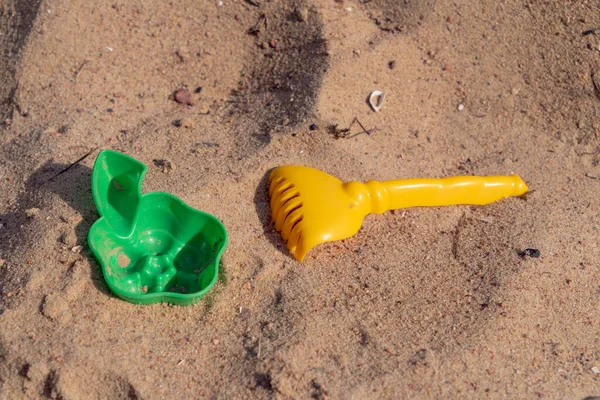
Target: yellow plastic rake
(310, 207)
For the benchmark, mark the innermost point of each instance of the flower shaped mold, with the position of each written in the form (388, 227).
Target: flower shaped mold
(153, 247)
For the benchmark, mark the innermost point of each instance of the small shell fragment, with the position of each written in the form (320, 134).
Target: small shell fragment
(376, 100)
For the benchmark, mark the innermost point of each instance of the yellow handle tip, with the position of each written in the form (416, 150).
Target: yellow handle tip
(520, 186)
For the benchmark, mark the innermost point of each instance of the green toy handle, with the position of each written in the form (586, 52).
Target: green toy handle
(117, 189)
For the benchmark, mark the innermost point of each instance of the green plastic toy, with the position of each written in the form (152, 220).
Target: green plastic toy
(153, 248)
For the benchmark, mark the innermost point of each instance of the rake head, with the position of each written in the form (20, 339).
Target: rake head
(310, 207)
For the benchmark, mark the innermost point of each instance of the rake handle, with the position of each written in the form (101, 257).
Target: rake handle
(475, 190)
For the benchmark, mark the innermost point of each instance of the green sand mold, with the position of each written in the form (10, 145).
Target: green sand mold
(153, 248)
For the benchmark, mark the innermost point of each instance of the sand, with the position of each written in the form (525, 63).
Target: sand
(422, 303)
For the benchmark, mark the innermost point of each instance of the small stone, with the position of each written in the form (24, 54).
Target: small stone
(2, 262)
(302, 14)
(392, 64)
(109, 110)
(32, 212)
(185, 123)
(461, 107)
(313, 127)
(204, 109)
(533, 253)
(69, 238)
(52, 130)
(165, 165)
(515, 91)
(198, 89)
(216, 341)
(446, 67)
(272, 44)
(595, 370)
(184, 96)
(76, 249)
(580, 124)
(183, 54)
(56, 308)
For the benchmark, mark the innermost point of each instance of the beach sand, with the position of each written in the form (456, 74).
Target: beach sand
(421, 303)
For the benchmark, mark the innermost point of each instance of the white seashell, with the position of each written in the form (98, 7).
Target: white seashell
(376, 100)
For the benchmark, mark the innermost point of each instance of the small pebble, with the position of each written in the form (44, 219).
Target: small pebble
(392, 64)
(595, 370)
(2, 262)
(184, 96)
(461, 107)
(165, 165)
(182, 53)
(533, 253)
(215, 341)
(272, 44)
(313, 127)
(32, 212)
(198, 89)
(76, 249)
(110, 110)
(185, 123)
(302, 14)
(69, 238)
(56, 307)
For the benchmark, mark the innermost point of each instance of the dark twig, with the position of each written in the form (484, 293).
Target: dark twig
(590, 31)
(86, 155)
(592, 176)
(343, 133)
(262, 20)
(361, 125)
(80, 68)
(253, 2)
